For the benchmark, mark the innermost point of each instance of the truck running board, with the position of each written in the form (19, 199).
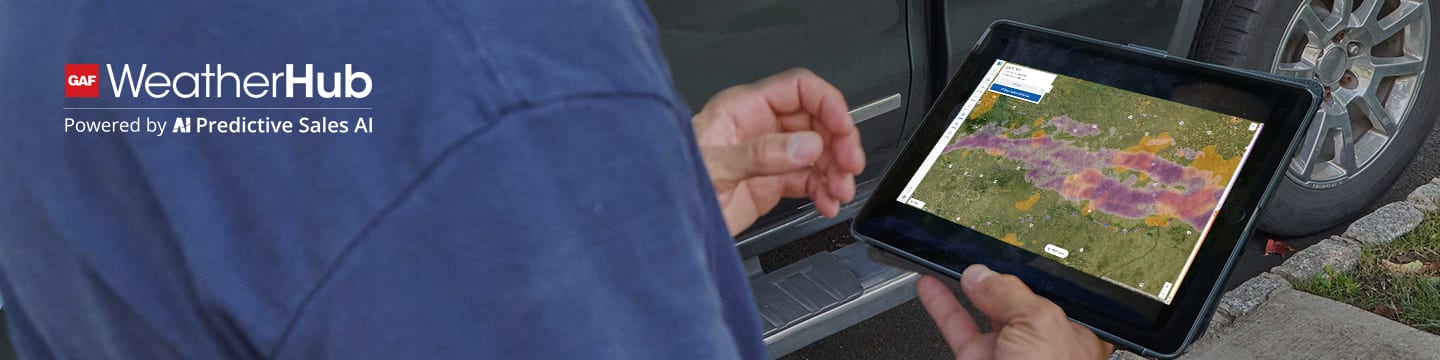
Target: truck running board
(825, 293)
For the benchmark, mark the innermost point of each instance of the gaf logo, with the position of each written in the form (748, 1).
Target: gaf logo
(82, 80)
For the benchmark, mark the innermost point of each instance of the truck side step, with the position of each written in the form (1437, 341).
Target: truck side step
(825, 293)
(803, 289)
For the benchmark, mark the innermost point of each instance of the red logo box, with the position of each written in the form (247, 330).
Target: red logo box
(82, 80)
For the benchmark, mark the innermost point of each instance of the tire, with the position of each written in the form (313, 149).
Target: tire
(1248, 34)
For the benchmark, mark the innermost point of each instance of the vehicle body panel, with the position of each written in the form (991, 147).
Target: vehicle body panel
(870, 50)
(860, 46)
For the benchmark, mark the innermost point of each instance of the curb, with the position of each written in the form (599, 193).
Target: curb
(1338, 253)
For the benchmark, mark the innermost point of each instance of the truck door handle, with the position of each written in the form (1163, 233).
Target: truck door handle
(876, 108)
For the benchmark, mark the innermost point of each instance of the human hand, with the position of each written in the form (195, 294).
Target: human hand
(1026, 326)
(787, 135)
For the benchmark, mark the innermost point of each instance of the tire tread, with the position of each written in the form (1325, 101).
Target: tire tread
(1235, 24)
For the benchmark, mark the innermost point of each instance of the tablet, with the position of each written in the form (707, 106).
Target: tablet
(1116, 181)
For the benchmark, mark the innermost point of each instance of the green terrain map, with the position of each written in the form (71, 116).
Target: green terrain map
(1125, 183)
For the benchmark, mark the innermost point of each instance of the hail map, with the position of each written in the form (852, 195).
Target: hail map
(1115, 184)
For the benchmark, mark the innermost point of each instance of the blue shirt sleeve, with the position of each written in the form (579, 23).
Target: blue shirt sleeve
(579, 229)
(531, 189)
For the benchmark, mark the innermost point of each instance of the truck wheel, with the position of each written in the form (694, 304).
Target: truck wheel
(1373, 57)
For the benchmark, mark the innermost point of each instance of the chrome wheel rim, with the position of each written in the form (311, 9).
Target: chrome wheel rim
(1371, 57)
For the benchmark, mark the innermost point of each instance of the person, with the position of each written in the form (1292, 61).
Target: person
(533, 188)
(757, 145)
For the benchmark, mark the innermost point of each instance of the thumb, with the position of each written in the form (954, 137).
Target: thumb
(769, 154)
(1003, 298)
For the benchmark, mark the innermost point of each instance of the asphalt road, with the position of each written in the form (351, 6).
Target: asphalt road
(905, 332)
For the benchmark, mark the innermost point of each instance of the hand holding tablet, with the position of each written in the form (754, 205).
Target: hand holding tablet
(1026, 325)
(1116, 182)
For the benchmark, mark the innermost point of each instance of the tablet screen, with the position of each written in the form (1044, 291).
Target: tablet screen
(1115, 184)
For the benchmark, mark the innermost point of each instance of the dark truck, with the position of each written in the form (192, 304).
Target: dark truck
(892, 57)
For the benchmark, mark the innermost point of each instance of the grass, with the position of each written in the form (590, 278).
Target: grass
(1412, 299)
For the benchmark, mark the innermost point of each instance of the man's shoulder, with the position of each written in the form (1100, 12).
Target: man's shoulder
(249, 224)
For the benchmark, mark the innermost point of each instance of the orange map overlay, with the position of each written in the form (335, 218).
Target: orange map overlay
(1147, 187)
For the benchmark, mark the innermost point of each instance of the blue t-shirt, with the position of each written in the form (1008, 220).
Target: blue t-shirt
(530, 188)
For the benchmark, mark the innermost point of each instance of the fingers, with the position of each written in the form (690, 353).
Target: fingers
(1003, 298)
(800, 90)
(836, 169)
(789, 102)
(1028, 325)
(842, 185)
(795, 185)
(770, 154)
(955, 324)
(804, 101)
(820, 196)
(849, 153)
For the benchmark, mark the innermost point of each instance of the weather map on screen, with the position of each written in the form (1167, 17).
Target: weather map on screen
(1116, 184)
